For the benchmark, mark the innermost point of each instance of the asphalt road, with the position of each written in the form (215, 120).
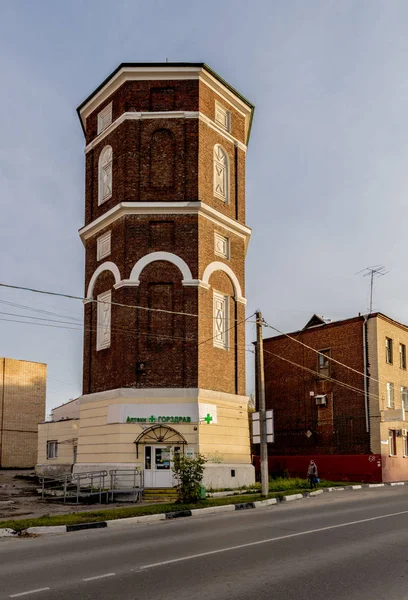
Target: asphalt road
(351, 544)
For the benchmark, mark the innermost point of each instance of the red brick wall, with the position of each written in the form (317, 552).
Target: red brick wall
(339, 427)
(185, 148)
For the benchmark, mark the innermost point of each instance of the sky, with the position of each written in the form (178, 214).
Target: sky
(327, 175)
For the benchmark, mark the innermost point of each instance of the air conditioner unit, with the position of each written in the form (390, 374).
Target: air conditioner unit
(321, 399)
(403, 432)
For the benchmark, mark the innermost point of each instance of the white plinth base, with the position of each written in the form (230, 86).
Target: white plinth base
(232, 475)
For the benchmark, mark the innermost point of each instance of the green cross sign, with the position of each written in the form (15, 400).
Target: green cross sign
(208, 419)
(152, 419)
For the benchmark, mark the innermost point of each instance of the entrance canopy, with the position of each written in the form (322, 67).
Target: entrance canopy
(159, 434)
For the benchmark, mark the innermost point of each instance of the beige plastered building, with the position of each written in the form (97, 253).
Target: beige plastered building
(127, 427)
(388, 394)
(22, 407)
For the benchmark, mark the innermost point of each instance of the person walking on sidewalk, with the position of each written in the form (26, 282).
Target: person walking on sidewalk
(312, 474)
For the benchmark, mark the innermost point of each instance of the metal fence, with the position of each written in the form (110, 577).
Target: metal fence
(93, 484)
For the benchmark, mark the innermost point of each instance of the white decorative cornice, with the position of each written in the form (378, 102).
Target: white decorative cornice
(165, 73)
(137, 116)
(164, 208)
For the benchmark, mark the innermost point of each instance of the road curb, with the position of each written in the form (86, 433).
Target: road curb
(177, 514)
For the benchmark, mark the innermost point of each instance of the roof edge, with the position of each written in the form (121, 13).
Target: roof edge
(199, 65)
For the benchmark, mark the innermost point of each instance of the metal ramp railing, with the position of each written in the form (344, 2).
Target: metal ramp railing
(73, 487)
(94, 484)
(129, 481)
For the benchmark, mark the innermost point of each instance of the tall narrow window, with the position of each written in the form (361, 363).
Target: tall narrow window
(104, 118)
(105, 175)
(220, 321)
(403, 356)
(390, 395)
(405, 445)
(103, 327)
(162, 159)
(221, 173)
(388, 350)
(222, 116)
(52, 449)
(324, 362)
(392, 441)
(404, 398)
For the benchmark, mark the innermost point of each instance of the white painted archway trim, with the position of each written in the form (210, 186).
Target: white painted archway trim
(153, 257)
(219, 266)
(106, 266)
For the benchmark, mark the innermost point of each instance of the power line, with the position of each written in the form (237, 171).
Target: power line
(326, 356)
(325, 377)
(83, 299)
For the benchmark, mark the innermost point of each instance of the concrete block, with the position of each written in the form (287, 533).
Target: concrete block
(375, 485)
(7, 532)
(266, 503)
(135, 520)
(398, 483)
(338, 489)
(292, 497)
(316, 493)
(355, 487)
(47, 530)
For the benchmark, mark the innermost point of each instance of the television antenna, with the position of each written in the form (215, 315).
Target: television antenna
(373, 272)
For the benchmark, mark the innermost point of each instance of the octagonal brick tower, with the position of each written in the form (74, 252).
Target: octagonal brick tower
(165, 231)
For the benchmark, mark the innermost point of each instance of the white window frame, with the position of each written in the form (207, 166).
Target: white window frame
(103, 320)
(222, 116)
(392, 442)
(105, 166)
(52, 449)
(403, 356)
(105, 118)
(103, 246)
(390, 395)
(404, 400)
(405, 446)
(220, 331)
(221, 241)
(389, 351)
(219, 168)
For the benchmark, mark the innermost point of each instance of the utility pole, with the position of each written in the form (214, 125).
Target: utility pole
(261, 404)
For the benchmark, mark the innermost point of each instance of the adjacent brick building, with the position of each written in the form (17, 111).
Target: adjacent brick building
(344, 407)
(22, 407)
(165, 242)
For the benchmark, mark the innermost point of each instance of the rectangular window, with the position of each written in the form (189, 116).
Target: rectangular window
(390, 395)
(103, 326)
(404, 398)
(222, 117)
(52, 450)
(221, 245)
(220, 321)
(105, 118)
(392, 442)
(405, 445)
(103, 246)
(403, 356)
(323, 365)
(388, 350)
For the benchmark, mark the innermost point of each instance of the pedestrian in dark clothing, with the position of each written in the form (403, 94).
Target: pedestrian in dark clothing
(312, 474)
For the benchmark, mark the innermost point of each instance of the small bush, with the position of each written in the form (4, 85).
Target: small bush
(189, 473)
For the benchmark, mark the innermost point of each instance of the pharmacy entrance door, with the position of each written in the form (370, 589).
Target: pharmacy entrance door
(157, 467)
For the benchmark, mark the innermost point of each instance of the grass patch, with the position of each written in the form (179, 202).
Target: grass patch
(130, 511)
(282, 484)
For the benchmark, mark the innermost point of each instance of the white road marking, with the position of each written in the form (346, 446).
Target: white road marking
(29, 592)
(99, 577)
(269, 540)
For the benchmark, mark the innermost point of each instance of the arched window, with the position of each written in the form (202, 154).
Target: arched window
(221, 173)
(105, 175)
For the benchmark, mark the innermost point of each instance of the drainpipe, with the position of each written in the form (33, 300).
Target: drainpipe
(365, 317)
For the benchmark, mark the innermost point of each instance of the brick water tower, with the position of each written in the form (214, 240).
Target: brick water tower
(165, 241)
